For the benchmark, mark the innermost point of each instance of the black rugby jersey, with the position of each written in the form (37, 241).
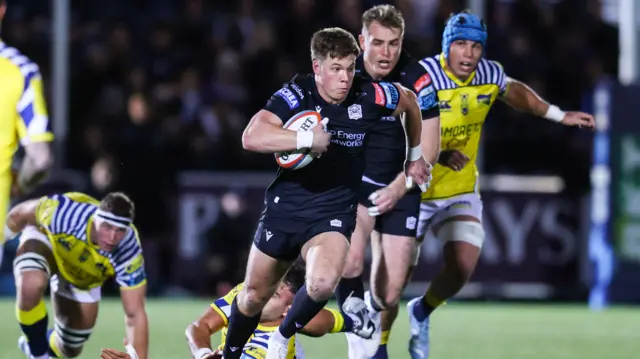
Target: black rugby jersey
(328, 185)
(386, 149)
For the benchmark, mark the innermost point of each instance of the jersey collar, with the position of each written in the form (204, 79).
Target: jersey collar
(454, 78)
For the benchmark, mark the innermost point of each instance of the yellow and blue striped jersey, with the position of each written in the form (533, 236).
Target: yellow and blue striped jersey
(23, 113)
(463, 108)
(67, 221)
(257, 345)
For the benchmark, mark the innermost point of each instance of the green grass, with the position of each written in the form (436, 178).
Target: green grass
(464, 331)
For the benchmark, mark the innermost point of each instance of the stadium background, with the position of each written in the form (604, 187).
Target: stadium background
(159, 92)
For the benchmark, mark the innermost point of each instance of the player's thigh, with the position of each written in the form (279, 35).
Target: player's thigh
(32, 267)
(358, 244)
(263, 274)
(76, 312)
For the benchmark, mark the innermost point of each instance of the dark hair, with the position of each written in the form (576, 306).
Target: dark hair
(387, 15)
(295, 277)
(333, 42)
(119, 204)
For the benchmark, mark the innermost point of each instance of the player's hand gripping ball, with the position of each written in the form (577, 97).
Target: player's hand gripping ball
(305, 121)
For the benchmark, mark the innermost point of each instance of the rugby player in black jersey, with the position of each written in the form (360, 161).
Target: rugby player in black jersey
(387, 210)
(312, 211)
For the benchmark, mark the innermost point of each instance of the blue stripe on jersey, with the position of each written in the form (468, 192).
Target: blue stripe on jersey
(127, 250)
(70, 216)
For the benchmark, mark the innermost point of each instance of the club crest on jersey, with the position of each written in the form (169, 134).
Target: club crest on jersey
(355, 112)
(484, 99)
(464, 103)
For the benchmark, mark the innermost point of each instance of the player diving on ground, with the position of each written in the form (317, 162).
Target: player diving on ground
(73, 243)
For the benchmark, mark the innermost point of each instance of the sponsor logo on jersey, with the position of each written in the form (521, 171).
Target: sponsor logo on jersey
(289, 97)
(380, 98)
(355, 112)
(422, 82)
(391, 95)
(298, 90)
(388, 118)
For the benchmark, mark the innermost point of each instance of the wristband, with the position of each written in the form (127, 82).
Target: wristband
(414, 153)
(8, 233)
(202, 352)
(131, 351)
(554, 113)
(304, 140)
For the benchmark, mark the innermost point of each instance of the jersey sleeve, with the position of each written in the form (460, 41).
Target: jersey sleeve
(33, 119)
(128, 262)
(223, 305)
(50, 213)
(285, 102)
(384, 95)
(418, 80)
(500, 77)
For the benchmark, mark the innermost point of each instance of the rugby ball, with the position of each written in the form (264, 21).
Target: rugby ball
(303, 121)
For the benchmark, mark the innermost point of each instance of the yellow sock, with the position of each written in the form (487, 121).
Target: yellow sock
(384, 338)
(433, 301)
(34, 326)
(53, 344)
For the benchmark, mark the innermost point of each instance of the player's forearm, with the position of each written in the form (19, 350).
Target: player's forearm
(270, 138)
(137, 329)
(522, 97)
(36, 165)
(431, 139)
(199, 339)
(323, 323)
(20, 216)
(413, 120)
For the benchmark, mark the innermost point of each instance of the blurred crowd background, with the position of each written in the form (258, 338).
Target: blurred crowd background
(159, 87)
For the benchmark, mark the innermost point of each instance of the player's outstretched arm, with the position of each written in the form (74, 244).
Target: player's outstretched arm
(522, 97)
(199, 333)
(136, 322)
(20, 216)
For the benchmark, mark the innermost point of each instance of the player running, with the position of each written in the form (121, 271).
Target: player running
(387, 211)
(311, 211)
(464, 87)
(74, 243)
(24, 121)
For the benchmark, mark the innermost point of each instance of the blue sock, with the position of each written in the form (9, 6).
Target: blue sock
(381, 353)
(423, 310)
(303, 309)
(34, 324)
(239, 331)
(347, 286)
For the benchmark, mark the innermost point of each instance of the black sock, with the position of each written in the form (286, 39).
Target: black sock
(36, 333)
(301, 312)
(348, 286)
(239, 331)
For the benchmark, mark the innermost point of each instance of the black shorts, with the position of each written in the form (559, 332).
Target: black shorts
(402, 220)
(283, 238)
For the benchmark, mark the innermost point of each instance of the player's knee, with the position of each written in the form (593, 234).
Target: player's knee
(31, 274)
(320, 288)
(69, 342)
(252, 300)
(391, 297)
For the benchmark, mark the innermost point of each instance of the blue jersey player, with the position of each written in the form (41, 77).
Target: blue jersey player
(387, 211)
(312, 211)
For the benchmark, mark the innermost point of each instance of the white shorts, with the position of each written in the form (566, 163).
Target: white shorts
(63, 288)
(434, 212)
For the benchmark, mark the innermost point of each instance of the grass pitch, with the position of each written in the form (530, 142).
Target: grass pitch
(459, 331)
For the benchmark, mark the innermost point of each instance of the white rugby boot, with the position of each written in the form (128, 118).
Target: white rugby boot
(419, 342)
(363, 341)
(23, 345)
(278, 346)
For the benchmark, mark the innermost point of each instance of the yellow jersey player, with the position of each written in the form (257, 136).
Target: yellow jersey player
(216, 318)
(73, 243)
(463, 86)
(24, 121)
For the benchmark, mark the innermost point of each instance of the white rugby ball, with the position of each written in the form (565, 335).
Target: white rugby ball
(303, 121)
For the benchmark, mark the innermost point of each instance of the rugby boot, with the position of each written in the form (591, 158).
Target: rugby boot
(365, 337)
(419, 342)
(23, 345)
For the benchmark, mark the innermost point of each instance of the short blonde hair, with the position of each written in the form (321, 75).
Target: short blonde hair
(387, 15)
